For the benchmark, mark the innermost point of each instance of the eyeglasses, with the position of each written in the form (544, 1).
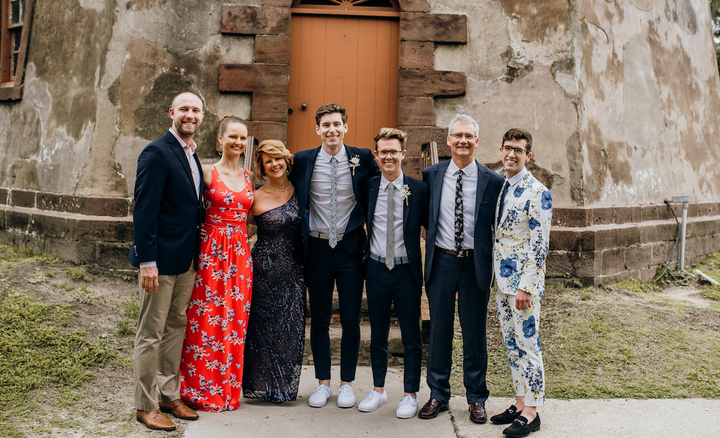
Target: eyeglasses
(468, 137)
(518, 151)
(383, 154)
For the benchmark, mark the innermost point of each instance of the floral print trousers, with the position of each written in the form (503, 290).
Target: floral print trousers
(520, 333)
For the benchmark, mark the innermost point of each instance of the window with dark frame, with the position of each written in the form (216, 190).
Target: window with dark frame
(15, 18)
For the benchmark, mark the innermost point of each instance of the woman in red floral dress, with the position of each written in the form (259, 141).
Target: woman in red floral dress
(212, 361)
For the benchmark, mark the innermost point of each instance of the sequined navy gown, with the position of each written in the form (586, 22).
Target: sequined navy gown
(276, 329)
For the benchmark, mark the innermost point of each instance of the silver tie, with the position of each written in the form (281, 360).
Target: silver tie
(390, 229)
(332, 238)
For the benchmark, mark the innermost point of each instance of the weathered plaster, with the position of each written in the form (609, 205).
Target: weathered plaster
(651, 96)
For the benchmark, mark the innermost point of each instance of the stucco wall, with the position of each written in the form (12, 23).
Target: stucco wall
(100, 74)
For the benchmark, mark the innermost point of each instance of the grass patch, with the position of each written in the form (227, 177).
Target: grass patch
(129, 278)
(127, 325)
(36, 351)
(79, 273)
(12, 256)
(81, 294)
(633, 285)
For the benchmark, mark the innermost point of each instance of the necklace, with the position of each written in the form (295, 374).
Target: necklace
(281, 190)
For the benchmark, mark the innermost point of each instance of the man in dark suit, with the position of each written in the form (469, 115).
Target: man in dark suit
(328, 180)
(458, 259)
(396, 209)
(166, 222)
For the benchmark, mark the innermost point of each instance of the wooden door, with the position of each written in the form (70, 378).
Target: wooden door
(348, 60)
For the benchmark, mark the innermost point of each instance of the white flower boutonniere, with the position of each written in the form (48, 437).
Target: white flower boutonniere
(354, 162)
(405, 193)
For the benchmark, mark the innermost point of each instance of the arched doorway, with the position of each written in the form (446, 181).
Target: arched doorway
(343, 52)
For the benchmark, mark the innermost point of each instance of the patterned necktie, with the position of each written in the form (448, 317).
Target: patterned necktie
(332, 238)
(502, 201)
(390, 230)
(459, 214)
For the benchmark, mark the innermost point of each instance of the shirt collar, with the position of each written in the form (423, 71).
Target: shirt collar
(469, 170)
(517, 178)
(398, 183)
(192, 144)
(341, 156)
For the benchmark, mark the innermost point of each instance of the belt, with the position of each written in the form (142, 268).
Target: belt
(323, 236)
(398, 260)
(462, 254)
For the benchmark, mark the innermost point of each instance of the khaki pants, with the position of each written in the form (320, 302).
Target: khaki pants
(159, 340)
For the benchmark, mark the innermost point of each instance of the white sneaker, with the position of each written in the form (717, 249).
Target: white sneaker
(373, 400)
(346, 396)
(407, 407)
(320, 396)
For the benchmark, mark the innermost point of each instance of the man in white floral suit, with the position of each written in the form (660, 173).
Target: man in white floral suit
(522, 232)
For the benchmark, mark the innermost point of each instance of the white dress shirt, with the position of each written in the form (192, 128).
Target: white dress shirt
(446, 218)
(320, 192)
(379, 236)
(514, 181)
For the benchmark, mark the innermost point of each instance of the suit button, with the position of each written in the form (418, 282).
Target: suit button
(497, 240)
(197, 226)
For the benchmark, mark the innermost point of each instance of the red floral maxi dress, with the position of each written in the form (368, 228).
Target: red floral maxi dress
(212, 360)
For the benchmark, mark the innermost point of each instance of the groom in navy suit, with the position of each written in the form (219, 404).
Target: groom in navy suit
(458, 260)
(329, 180)
(166, 222)
(396, 210)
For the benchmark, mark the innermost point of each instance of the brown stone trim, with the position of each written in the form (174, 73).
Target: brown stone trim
(280, 3)
(587, 216)
(417, 54)
(439, 28)
(271, 107)
(414, 5)
(267, 78)
(68, 226)
(416, 111)
(272, 49)
(82, 205)
(419, 83)
(253, 20)
(268, 130)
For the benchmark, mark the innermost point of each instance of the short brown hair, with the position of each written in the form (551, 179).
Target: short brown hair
(389, 134)
(330, 108)
(273, 149)
(518, 134)
(230, 118)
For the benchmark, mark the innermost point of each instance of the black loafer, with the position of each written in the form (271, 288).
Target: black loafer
(521, 428)
(506, 417)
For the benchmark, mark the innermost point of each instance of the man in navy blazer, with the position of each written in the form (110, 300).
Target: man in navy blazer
(328, 181)
(394, 267)
(166, 222)
(458, 259)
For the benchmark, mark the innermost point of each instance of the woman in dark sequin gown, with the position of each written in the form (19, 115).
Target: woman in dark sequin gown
(276, 330)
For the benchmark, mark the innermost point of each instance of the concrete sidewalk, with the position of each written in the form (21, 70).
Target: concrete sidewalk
(560, 418)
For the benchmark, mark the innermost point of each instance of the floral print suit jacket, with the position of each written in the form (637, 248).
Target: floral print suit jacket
(522, 238)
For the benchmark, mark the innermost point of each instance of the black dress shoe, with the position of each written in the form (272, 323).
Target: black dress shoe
(506, 417)
(431, 409)
(521, 428)
(477, 413)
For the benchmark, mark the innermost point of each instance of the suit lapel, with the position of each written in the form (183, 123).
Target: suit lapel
(482, 182)
(309, 171)
(436, 190)
(352, 172)
(180, 153)
(406, 205)
(372, 200)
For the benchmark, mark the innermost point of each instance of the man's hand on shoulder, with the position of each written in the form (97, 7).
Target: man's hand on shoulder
(522, 300)
(149, 279)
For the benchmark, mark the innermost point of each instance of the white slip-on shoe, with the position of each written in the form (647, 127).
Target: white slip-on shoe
(346, 396)
(320, 396)
(407, 407)
(373, 400)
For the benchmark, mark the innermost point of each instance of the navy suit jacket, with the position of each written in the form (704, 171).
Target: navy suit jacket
(303, 166)
(415, 213)
(489, 186)
(167, 213)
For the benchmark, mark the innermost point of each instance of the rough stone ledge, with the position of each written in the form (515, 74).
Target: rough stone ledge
(83, 205)
(587, 216)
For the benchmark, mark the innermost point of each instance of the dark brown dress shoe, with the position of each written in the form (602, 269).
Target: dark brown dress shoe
(155, 420)
(477, 413)
(431, 409)
(179, 410)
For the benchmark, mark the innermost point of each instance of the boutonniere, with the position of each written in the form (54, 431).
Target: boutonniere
(354, 162)
(405, 193)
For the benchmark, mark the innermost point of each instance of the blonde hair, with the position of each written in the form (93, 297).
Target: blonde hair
(389, 134)
(273, 149)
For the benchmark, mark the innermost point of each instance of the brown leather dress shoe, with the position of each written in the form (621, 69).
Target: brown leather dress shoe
(155, 420)
(179, 410)
(477, 413)
(431, 409)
